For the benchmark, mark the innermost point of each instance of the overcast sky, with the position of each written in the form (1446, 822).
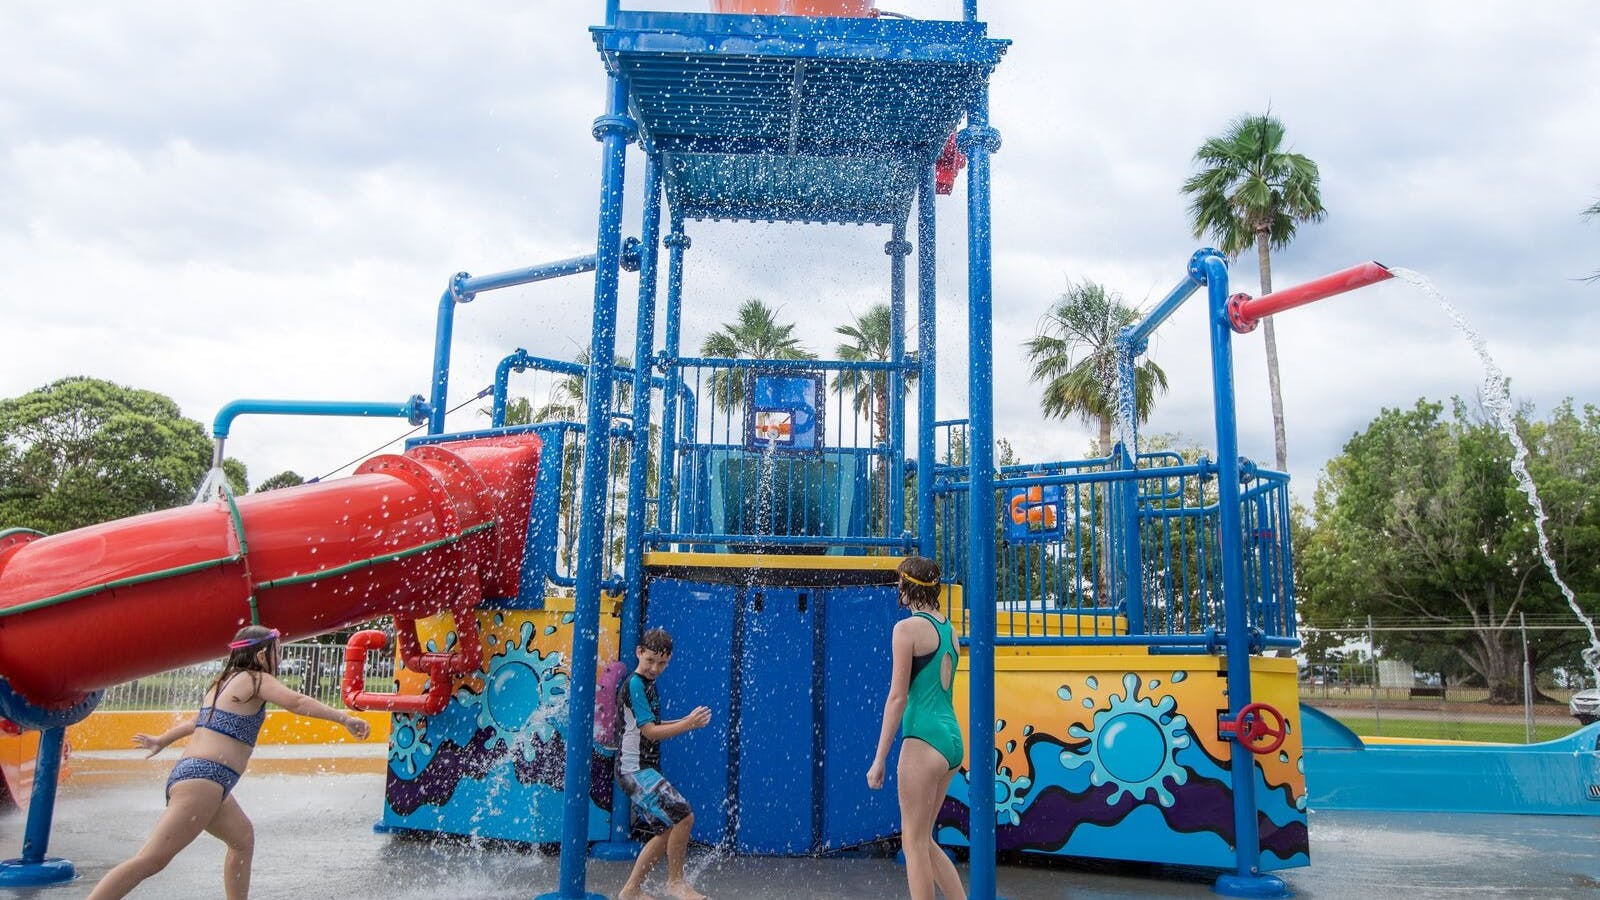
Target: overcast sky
(226, 200)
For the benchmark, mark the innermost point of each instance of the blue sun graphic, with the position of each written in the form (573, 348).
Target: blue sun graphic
(524, 693)
(1132, 745)
(409, 748)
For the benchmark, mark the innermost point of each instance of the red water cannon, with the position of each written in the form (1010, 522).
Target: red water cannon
(1245, 312)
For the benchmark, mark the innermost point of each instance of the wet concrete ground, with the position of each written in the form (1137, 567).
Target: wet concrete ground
(314, 811)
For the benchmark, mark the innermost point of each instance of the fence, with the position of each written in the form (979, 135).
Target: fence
(1100, 538)
(1508, 684)
(310, 668)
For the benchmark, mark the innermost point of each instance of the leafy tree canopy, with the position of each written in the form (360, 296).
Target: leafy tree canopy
(1419, 520)
(82, 450)
(281, 480)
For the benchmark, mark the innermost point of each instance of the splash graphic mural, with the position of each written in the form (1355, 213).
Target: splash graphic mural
(1131, 768)
(490, 765)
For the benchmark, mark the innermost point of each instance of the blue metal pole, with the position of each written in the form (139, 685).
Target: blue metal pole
(443, 327)
(614, 130)
(676, 243)
(898, 249)
(1246, 881)
(927, 342)
(472, 285)
(1128, 423)
(638, 462)
(977, 141)
(32, 869)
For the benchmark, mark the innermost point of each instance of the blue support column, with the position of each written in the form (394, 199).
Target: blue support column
(1246, 880)
(443, 328)
(927, 343)
(621, 846)
(898, 249)
(1128, 447)
(676, 242)
(978, 141)
(614, 130)
(33, 868)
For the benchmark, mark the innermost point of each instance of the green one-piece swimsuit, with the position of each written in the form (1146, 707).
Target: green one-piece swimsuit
(930, 716)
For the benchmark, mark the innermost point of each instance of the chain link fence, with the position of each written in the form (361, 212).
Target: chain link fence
(1507, 684)
(311, 668)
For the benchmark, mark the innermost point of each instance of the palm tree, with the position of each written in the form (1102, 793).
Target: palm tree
(1075, 355)
(869, 342)
(1252, 191)
(756, 334)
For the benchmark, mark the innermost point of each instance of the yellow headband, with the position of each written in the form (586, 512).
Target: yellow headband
(919, 582)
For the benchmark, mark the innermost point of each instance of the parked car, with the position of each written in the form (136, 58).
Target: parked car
(1585, 706)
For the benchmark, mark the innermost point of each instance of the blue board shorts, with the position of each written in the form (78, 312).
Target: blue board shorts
(657, 805)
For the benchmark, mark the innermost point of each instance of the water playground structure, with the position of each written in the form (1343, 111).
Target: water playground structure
(1120, 616)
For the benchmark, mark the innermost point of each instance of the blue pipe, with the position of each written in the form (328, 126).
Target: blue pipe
(33, 868)
(898, 249)
(1246, 879)
(471, 286)
(614, 130)
(676, 243)
(795, 540)
(978, 140)
(1180, 292)
(639, 453)
(463, 288)
(795, 365)
(415, 410)
(927, 342)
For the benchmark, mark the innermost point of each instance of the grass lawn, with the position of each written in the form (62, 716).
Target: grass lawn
(1496, 732)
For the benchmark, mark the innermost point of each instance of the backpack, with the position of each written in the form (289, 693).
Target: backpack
(607, 709)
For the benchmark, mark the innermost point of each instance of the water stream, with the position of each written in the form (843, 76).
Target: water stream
(1497, 399)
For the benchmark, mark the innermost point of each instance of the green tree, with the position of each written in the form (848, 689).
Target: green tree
(281, 480)
(755, 334)
(1250, 190)
(82, 450)
(1075, 355)
(1420, 520)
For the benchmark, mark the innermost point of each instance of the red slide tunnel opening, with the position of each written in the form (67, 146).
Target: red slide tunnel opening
(438, 527)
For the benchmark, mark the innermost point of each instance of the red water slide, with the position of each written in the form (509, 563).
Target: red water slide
(439, 527)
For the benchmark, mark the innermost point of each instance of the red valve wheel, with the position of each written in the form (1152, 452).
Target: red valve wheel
(1261, 728)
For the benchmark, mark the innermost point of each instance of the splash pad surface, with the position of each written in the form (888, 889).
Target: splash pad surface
(313, 810)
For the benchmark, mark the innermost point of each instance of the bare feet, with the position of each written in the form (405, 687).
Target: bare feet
(680, 890)
(628, 893)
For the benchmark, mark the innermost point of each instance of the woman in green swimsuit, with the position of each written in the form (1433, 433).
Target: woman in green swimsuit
(919, 704)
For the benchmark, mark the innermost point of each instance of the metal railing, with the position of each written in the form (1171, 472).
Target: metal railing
(1100, 550)
(822, 484)
(311, 668)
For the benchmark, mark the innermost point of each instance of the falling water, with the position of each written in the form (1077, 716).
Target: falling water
(1498, 400)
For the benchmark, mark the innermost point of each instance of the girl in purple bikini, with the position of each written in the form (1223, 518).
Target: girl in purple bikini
(200, 788)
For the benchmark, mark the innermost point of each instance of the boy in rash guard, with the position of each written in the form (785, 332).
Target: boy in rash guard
(659, 811)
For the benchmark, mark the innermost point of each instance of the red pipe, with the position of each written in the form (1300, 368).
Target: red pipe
(353, 688)
(438, 528)
(1245, 312)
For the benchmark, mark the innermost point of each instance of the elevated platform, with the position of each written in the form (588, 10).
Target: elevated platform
(776, 118)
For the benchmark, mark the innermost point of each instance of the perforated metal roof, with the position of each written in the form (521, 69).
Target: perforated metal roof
(796, 119)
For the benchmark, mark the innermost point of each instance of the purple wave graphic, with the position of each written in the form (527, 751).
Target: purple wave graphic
(452, 762)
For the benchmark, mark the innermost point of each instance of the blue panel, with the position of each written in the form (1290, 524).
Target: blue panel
(796, 119)
(776, 722)
(858, 622)
(700, 618)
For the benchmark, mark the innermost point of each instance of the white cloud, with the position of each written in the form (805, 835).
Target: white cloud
(227, 200)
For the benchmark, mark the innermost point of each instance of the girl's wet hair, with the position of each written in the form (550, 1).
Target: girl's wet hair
(919, 581)
(243, 652)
